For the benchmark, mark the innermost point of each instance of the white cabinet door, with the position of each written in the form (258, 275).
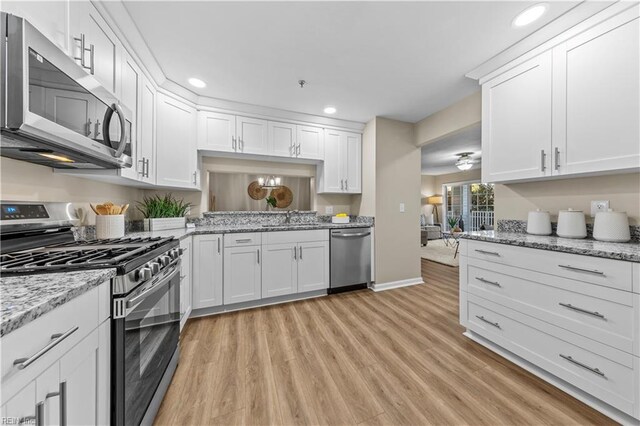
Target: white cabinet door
(131, 82)
(78, 372)
(310, 143)
(332, 170)
(596, 102)
(216, 132)
(207, 271)
(22, 406)
(85, 20)
(186, 283)
(176, 153)
(73, 110)
(313, 266)
(353, 176)
(48, 394)
(282, 139)
(516, 122)
(279, 270)
(147, 125)
(242, 274)
(49, 17)
(252, 135)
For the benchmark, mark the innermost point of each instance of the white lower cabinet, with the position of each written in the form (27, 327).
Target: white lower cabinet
(207, 271)
(242, 274)
(313, 266)
(279, 270)
(186, 284)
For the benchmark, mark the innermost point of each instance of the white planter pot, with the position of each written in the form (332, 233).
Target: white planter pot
(164, 223)
(109, 226)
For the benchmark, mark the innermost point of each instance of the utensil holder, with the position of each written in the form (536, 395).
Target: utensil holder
(109, 226)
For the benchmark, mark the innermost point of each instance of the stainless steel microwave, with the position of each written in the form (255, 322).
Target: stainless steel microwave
(53, 112)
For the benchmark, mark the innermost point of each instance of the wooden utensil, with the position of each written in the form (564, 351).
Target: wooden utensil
(93, 208)
(101, 209)
(124, 209)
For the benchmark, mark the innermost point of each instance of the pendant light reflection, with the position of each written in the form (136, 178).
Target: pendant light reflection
(270, 181)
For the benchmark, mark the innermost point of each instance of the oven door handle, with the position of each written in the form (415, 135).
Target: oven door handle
(160, 284)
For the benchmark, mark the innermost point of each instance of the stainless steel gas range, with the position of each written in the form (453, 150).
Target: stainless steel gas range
(145, 315)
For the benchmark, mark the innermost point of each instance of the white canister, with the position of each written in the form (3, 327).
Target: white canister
(611, 226)
(109, 226)
(571, 224)
(539, 223)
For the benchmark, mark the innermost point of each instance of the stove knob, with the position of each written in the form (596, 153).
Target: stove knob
(155, 267)
(144, 274)
(165, 260)
(174, 254)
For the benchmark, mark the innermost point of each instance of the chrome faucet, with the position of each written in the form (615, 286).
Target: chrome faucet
(287, 219)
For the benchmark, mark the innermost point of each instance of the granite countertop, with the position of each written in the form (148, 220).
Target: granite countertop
(27, 297)
(586, 247)
(227, 229)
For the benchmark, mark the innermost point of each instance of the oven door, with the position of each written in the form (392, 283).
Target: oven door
(57, 114)
(144, 341)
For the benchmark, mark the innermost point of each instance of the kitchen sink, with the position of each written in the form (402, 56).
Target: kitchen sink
(288, 225)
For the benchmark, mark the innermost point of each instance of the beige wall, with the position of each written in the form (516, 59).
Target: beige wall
(200, 200)
(22, 181)
(427, 189)
(464, 113)
(397, 242)
(514, 201)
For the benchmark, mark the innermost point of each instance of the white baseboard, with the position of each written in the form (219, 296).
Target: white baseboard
(396, 284)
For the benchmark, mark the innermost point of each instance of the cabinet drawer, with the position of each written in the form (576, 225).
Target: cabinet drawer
(75, 320)
(607, 374)
(596, 312)
(243, 239)
(589, 269)
(286, 237)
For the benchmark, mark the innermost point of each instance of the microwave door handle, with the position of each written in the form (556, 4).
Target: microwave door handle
(123, 130)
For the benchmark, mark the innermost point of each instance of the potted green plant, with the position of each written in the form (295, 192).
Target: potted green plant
(163, 212)
(453, 224)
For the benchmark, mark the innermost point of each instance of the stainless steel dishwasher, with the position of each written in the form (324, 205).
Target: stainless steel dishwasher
(350, 259)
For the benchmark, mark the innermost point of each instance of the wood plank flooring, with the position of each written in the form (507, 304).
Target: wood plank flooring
(391, 358)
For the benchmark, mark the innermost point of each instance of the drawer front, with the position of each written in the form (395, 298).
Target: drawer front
(614, 382)
(594, 270)
(288, 237)
(596, 312)
(243, 239)
(72, 321)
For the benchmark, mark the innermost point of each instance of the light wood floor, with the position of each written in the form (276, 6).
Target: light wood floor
(396, 358)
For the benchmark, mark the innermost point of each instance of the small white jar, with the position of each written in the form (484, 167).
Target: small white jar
(571, 224)
(539, 223)
(611, 226)
(109, 226)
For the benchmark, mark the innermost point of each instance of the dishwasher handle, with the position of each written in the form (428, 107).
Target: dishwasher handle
(359, 234)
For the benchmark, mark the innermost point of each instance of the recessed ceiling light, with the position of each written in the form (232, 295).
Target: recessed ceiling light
(330, 110)
(196, 82)
(530, 15)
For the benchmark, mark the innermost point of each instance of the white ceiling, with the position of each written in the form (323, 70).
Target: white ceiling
(401, 60)
(439, 158)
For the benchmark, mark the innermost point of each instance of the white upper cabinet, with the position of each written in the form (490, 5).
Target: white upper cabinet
(283, 139)
(217, 132)
(516, 122)
(573, 109)
(101, 47)
(310, 142)
(176, 152)
(341, 171)
(131, 82)
(596, 105)
(49, 17)
(207, 271)
(252, 135)
(147, 126)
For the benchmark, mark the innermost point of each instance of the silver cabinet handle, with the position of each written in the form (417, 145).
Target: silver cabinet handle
(146, 167)
(218, 245)
(298, 150)
(233, 142)
(589, 271)
(346, 184)
(57, 338)
(295, 253)
(91, 67)
(258, 251)
(556, 161)
(63, 403)
(584, 311)
(88, 129)
(492, 253)
(182, 277)
(585, 366)
(97, 128)
(143, 164)
(243, 240)
(40, 413)
(195, 178)
(82, 50)
(543, 158)
(482, 318)
(300, 252)
(342, 184)
(497, 284)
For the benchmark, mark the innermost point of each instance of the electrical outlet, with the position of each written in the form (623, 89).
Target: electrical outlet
(328, 210)
(599, 206)
(401, 207)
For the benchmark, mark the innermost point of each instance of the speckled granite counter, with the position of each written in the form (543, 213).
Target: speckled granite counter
(27, 297)
(587, 247)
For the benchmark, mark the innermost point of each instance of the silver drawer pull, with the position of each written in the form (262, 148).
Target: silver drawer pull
(573, 268)
(492, 253)
(579, 364)
(497, 284)
(244, 240)
(481, 318)
(57, 338)
(584, 311)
